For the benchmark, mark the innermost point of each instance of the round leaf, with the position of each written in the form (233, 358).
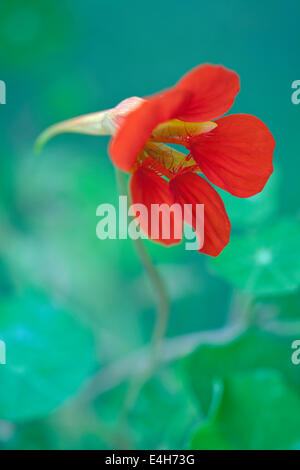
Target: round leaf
(266, 262)
(251, 351)
(48, 356)
(251, 211)
(258, 411)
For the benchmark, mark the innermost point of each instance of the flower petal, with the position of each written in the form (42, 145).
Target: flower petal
(139, 124)
(190, 188)
(149, 189)
(213, 89)
(205, 93)
(237, 155)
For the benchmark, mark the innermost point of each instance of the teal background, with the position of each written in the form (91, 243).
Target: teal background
(72, 307)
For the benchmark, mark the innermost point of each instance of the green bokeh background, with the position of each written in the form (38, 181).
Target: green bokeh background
(76, 312)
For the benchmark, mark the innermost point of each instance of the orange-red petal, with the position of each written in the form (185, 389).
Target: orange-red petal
(237, 155)
(138, 125)
(190, 188)
(213, 89)
(148, 188)
(203, 94)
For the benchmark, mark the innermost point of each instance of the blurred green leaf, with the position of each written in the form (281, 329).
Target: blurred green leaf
(249, 212)
(164, 415)
(251, 351)
(31, 435)
(25, 29)
(285, 307)
(265, 262)
(48, 356)
(258, 410)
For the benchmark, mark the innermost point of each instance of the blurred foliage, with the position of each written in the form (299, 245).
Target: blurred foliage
(165, 415)
(264, 262)
(76, 312)
(45, 365)
(26, 31)
(251, 351)
(249, 212)
(257, 411)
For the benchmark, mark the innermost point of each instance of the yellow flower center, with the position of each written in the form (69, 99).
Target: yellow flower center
(168, 160)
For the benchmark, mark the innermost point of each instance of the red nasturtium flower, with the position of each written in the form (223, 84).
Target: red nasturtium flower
(234, 153)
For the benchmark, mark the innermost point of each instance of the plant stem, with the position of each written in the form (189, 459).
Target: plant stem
(156, 280)
(162, 317)
(174, 348)
(162, 299)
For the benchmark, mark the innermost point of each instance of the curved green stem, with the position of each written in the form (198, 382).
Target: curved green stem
(156, 281)
(162, 317)
(163, 308)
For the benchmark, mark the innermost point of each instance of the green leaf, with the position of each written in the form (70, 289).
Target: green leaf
(258, 411)
(250, 351)
(249, 212)
(265, 262)
(25, 30)
(48, 356)
(30, 435)
(284, 307)
(164, 416)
